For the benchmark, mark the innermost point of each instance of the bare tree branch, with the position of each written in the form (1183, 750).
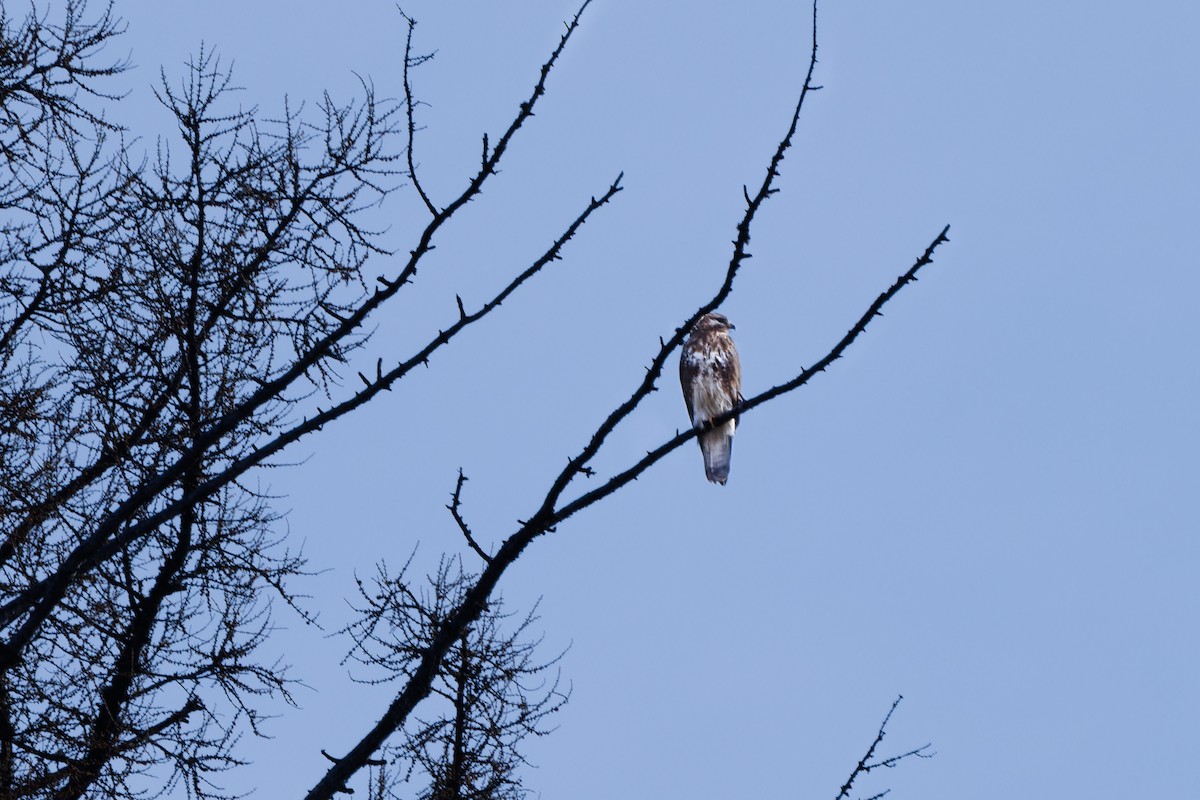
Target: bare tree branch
(36, 601)
(455, 509)
(40, 597)
(409, 102)
(544, 520)
(657, 454)
(741, 252)
(492, 691)
(865, 765)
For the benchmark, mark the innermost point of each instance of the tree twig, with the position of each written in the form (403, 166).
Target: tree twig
(408, 102)
(865, 765)
(454, 508)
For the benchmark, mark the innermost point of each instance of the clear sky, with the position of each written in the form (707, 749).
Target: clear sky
(989, 506)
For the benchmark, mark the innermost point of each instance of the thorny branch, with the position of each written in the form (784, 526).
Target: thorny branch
(492, 691)
(657, 454)
(475, 600)
(455, 509)
(193, 304)
(409, 103)
(549, 514)
(115, 532)
(741, 253)
(866, 765)
(105, 542)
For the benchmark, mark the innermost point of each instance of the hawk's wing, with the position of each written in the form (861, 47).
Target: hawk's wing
(731, 375)
(687, 376)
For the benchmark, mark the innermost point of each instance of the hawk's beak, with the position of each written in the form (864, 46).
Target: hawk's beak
(732, 327)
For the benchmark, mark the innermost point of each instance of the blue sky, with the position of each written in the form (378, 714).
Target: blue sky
(987, 506)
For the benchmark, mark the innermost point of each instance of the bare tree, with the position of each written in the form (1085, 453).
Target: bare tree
(168, 325)
(178, 288)
(492, 690)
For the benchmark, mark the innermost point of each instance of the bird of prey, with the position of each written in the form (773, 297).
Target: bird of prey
(711, 376)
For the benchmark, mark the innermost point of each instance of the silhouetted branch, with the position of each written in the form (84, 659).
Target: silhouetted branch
(423, 673)
(36, 601)
(41, 596)
(491, 691)
(375, 762)
(409, 102)
(475, 600)
(740, 254)
(121, 445)
(865, 765)
(657, 454)
(454, 508)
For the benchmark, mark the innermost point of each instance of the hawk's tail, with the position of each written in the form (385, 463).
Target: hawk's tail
(717, 447)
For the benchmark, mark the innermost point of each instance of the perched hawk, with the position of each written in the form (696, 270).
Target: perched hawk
(712, 384)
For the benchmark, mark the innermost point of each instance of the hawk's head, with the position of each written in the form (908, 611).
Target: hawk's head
(712, 322)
